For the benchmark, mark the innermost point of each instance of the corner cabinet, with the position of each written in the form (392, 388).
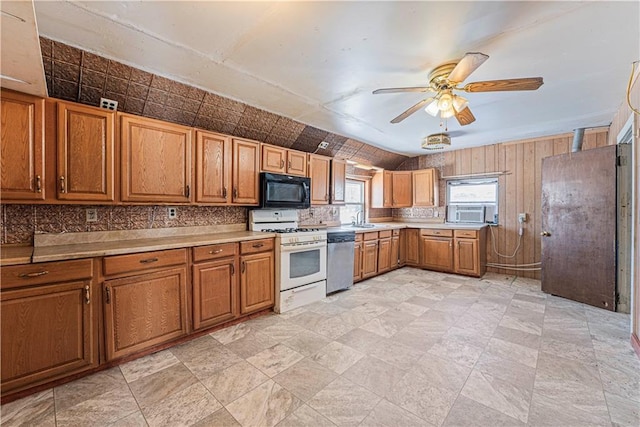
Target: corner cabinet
(391, 189)
(246, 172)
(22, 147)
(319, 172)
(86, 147)
(425, 187)
(49, 322)
(156, 160)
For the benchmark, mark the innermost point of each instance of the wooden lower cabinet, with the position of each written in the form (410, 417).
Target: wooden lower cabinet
(357, 261)
(436, 253)
(395, 251)
(465, 256)
(370, 259)
(215, 292)
(48, 331)
(144, 310)
(257, 282)
(412, 246)
(384, 255)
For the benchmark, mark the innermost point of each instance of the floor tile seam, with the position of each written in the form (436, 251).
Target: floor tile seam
(135, 398)
(535, 378)
(249, 391)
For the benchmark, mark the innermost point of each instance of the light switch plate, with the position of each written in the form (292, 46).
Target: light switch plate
(92, 215)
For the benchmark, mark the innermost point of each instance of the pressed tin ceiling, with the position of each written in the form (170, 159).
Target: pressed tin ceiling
(318, 62)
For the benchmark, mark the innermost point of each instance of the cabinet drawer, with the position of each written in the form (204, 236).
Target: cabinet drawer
(395, 231)
(359, 237)
(202, 253)
(371, 236)
(254, 246)
(47, 272)
(436, 232)
(384, 234)
(143, 261)
(471, 234)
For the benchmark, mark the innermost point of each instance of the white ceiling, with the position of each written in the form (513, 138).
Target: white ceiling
(318, 62)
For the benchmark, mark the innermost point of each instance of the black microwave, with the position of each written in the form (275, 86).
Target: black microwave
(284, 191)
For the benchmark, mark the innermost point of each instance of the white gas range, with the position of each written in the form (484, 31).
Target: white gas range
(301, 258)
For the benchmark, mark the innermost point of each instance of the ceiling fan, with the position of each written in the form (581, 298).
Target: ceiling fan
(444, 80)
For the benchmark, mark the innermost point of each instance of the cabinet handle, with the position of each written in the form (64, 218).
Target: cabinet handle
(217, 251)
(258, 245)
(224, 193)
(188, 191)
(233, 269)
(62, 186)
(281, 164)
(243, 267)
(30, 275)
(108, 292)
(148, 260)
(289, 164)
(38, 184)
(87, 295)
(235, 193)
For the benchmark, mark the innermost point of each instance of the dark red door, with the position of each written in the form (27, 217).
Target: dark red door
(579, 226)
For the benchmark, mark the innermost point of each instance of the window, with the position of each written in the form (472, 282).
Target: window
(472, 200)
(354, 202)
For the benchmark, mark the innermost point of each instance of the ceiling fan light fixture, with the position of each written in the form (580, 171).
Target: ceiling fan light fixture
(446, 114)
(445, 102)
(460, 103)
(436, 141)
(432, 108)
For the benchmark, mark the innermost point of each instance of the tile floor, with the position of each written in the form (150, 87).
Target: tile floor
(410, 348)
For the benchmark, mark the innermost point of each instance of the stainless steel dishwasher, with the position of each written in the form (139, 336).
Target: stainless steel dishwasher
(340, 246)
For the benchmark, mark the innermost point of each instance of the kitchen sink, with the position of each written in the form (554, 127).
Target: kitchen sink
(365, 225)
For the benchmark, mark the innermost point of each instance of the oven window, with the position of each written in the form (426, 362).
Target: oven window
(304, 263)
(285, 192)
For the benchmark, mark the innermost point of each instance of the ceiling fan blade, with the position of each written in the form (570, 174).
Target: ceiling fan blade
(465, 117)
(411, 110)
(401, 89)
(531, 83)
(466, 66)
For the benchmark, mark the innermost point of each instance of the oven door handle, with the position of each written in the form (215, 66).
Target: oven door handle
(298, 247)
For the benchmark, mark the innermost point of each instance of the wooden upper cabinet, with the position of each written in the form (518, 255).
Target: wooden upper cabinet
(319, 172)
(86, 146)
(22, 147)
(296, 163)
(382, 189)
(156, 160)
(274, 159)
(402, 196)
(425, 187)
(246, 172)
(338, 181)
(213, 168)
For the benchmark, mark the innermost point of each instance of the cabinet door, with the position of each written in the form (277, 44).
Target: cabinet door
(22, 147)
(319, 173)
(246, 172)
(156, 161)
(86, 146)
(467, 258)
(402, 194)
(384, 255)
(257, 282)
(338, 181)
(437, 253)
(47, 332)
(274, 159)
(370, 259)
(387, 189)
(296, 163)
(395, 252)
(402, 248)
(213, 168)
(357, 261)
(144, 310)
(215, 292)
(425, 187)
(412, 246)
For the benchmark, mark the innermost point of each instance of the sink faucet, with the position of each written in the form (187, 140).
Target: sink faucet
(359, 220)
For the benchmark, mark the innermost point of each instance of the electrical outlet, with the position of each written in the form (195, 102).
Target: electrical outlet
(92, 215)
(522, 218)
(108, 104)
(436, 213)
(172, 213)
(323, 145)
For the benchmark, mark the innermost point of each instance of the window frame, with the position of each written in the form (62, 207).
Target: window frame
(363, 203)
(474, 181)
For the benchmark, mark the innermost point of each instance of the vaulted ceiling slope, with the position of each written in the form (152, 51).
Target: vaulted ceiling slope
(318, 62)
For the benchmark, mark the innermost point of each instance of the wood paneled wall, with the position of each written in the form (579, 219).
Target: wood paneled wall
(519, 189)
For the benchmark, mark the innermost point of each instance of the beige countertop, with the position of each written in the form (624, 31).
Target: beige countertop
(396, 225)
(66, 246)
